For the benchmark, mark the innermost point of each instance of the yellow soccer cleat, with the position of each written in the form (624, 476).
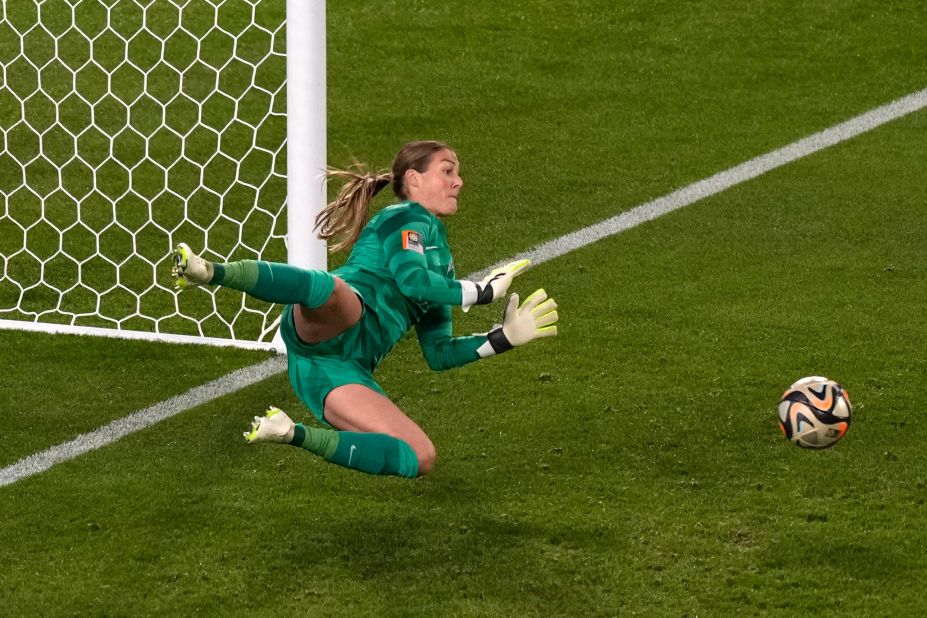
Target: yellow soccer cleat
(189, 270)
(274, 426)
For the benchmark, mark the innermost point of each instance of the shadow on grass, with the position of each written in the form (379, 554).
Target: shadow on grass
(458, 549)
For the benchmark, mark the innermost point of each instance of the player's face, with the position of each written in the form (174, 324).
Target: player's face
(438, 186)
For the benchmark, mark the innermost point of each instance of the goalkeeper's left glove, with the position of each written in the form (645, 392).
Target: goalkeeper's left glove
(493, 286)
(535, 318)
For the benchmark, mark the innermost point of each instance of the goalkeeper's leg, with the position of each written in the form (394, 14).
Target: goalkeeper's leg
(359, 410)
(327, 306)
(374, 452)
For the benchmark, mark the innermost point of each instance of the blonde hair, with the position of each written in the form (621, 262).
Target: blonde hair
(344, 219)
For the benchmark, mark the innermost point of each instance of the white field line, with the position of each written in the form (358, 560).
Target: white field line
(107, 434)
(720, 181)
(111, 432)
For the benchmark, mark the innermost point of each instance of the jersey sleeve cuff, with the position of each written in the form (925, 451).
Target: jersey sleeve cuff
(496, 343)
(486, 350)
(469, 293)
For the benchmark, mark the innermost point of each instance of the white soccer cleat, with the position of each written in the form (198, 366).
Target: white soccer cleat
(190, 270)
(274, 426)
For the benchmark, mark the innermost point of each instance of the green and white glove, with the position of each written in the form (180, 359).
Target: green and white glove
(535, 318)
(494, 286)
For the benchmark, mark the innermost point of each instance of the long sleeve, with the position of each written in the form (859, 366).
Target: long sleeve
(442, 350)
(407, 238)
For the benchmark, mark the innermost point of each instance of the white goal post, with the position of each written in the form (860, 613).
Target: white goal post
(127, 126)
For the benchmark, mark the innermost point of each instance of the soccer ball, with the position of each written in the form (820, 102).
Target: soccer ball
(815, 412)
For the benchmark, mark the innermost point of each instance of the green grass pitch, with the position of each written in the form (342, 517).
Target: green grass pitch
(632, 465)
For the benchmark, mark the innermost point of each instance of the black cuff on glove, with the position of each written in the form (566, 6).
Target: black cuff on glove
(498, 341)
(483, 294)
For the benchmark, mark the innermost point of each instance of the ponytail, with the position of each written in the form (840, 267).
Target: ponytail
(345, 218)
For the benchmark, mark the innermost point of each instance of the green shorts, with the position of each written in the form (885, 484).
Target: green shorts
(317, 369)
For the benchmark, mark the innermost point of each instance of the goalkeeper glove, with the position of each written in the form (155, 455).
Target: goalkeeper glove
(494, 286)
(533, 319)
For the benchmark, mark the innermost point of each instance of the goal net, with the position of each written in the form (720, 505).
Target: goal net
(128, 126)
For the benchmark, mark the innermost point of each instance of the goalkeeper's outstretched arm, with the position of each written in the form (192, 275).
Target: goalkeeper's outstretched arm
(535, 318)
(409, 267)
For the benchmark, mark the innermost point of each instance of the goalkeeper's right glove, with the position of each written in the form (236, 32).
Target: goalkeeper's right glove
(535, 318)
(494, 286)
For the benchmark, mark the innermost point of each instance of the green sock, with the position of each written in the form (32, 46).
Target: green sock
(373, 453)
(275, 282)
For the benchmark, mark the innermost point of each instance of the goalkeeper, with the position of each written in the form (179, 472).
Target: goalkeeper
(338, 326)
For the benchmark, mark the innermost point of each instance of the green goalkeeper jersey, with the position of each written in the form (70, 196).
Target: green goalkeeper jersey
(401, 265)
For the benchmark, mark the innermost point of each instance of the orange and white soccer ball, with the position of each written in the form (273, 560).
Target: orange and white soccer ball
(815, 412)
